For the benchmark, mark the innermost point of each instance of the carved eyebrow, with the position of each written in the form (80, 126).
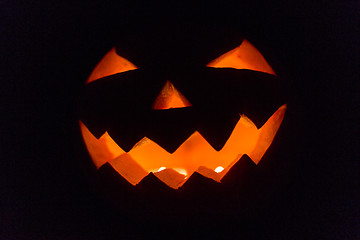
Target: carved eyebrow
(245, 56)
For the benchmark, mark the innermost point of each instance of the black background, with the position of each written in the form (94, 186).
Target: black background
(47, 52)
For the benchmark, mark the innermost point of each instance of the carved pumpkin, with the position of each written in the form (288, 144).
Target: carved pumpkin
(171, 118)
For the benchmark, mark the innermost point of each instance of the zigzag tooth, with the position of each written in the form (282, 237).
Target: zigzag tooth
(217, 133)
(127, 167)
(209, 173)
(171, 177)
(126, 141)
(239, 172)
(169, 143)
(199, 184)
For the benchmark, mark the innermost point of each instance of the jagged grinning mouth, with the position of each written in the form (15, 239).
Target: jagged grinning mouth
(195, 154)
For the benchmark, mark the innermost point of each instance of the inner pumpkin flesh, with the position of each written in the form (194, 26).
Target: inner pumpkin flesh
(195, 154)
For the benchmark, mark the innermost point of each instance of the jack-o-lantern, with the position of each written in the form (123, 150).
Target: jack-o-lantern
(173, 116)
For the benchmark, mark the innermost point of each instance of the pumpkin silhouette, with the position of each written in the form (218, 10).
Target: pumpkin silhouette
(180, 111)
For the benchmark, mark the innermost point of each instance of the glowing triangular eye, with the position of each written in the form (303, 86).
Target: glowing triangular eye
(245, 56)
(170, 97)
(110, 64)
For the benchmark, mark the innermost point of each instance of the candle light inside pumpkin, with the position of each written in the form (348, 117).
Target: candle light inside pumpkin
(219, 169)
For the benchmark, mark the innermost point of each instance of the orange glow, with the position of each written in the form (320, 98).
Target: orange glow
(101, 150)
(245, 56)
(170, 97)
(171, 177)
(128, 168)
(193, 154)
(110, 64)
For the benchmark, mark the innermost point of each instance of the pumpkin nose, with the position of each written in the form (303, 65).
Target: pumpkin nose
(170, 97)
